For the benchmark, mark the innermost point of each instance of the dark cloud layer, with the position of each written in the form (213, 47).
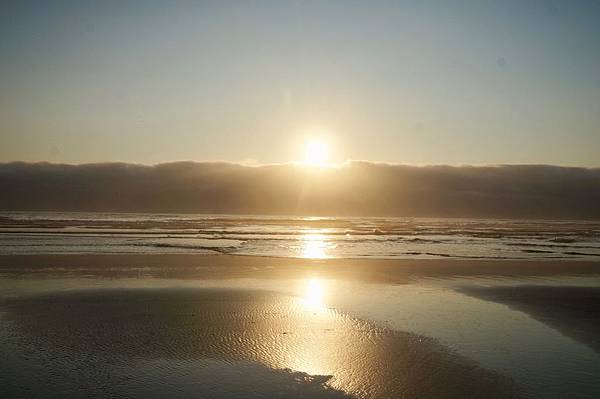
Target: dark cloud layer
(356, 188)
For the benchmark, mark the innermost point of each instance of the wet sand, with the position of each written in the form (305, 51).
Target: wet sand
(242, 342)
(395, 271)
(574, 311)
(93, 336)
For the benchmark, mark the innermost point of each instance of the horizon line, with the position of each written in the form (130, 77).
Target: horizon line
(295, 163)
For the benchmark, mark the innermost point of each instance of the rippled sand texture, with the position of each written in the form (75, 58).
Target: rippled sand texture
(219, 343)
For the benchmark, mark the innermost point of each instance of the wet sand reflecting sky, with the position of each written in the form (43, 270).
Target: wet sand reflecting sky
(315, 333)
(110, 333)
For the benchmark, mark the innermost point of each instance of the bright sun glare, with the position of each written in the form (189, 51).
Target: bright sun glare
(316, 153)
(314, 293)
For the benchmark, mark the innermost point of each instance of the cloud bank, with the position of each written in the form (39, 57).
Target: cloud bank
(355, 188)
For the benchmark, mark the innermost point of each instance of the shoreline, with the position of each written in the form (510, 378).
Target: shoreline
(239, 266)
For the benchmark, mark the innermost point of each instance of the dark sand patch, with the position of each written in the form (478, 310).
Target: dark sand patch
(574, 311)
(116, 341)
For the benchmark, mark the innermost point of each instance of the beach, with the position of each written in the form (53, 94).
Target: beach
(300, 199)
(225, 326)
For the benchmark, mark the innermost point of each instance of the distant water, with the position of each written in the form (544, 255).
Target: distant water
(305, 237)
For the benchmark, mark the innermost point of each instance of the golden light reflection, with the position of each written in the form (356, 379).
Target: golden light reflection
(314, 293)
(307, 355)
(314, 246)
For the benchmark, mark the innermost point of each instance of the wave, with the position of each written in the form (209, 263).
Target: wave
(284, 236)
(580, 253)
(533, 244)
(217, 249)
(537, 251)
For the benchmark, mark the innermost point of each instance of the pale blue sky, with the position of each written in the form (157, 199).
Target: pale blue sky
(417, 82)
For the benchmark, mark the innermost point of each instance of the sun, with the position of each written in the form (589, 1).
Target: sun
(316, 152)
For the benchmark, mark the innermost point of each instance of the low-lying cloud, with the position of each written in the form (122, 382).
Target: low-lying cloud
(355, 188)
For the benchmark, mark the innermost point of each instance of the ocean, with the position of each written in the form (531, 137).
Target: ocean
(301, 237)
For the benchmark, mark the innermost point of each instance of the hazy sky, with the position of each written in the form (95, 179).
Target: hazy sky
(418, 82)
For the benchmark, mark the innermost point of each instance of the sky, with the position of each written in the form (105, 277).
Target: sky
(411, 82)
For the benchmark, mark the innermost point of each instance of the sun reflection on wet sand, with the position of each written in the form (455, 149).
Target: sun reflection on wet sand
(306, 353)
(313, 294)
(177, 325)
